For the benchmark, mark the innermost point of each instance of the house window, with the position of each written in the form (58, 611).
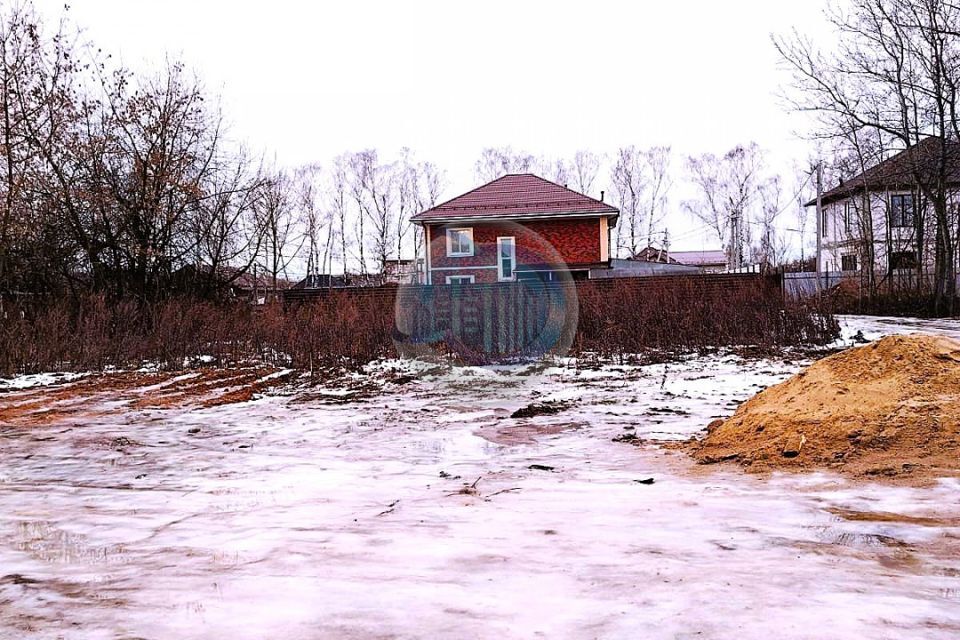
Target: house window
(506, 258)
(538, 276)
(823, 221)
(902, 210)
(847, 215)
(848, 263)
(459, 279)
(459, 242)
(903, 260)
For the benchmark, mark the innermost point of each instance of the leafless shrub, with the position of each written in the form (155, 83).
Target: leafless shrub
(94, 334)
(616, 318)
(624, 317)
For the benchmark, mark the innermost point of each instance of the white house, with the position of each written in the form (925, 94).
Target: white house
(882, 220)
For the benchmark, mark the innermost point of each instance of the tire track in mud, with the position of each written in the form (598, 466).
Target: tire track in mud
(117, 393)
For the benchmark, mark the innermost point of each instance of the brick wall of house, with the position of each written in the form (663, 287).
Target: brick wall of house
(571, 242)
(480, 276)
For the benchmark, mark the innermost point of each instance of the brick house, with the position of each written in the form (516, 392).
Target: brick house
(519, 226)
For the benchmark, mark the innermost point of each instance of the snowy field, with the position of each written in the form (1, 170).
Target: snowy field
(424, 510)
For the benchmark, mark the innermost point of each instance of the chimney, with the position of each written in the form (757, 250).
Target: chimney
(601, 195)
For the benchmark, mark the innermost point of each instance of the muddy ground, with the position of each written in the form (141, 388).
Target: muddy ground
(501, 502)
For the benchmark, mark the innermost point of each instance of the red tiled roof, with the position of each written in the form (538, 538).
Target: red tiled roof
(517, 196)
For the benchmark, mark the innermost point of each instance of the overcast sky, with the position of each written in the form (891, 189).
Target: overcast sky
(305, 81)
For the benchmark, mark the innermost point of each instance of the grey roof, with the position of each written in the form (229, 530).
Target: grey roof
(699, 258)
(634, 268)
(901, 170)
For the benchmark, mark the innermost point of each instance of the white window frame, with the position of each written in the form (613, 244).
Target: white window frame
(461, 279)
(450, 252)
(513, 268)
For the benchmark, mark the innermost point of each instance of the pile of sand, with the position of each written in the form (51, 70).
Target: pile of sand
(889, 408)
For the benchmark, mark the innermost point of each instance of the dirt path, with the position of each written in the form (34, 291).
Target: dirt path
(118, 393)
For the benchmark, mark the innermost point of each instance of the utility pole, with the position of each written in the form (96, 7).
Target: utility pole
(802, 225)
(735, 260)
(732, 251)
(666, 245)
(311, 267)
(819, 221)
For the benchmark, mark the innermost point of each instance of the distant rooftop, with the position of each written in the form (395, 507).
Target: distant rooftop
(700, 258)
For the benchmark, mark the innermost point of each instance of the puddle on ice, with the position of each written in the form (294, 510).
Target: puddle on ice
(289, 517)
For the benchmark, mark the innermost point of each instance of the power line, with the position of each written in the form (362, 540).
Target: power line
(700, 229)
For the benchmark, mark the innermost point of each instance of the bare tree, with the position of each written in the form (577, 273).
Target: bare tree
(359, 167)
(317, 224)
(495, 162)
(556, 170)
(374, 188)
(275, 208)
(21, 56)
(585, 167)
(641, 181)
(853, 153)
(336, 199)
(430, 183)
(629, 181)
(893, 73)
(224, 234)
(804, 194)
(419, 186)
(131, 169)
(771, 250)
(656, 166)
(726, 188)
(40, 110)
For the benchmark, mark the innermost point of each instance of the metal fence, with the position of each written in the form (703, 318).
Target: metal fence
(855, 284)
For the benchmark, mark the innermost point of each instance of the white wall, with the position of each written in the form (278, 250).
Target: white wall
(838, 241)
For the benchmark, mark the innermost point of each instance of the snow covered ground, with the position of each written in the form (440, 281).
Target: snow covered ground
(37, 380)
(426, 511)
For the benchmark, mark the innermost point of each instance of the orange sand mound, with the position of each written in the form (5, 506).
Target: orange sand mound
(890, 408)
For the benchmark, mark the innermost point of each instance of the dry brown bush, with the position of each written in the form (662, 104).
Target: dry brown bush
(94, 334)
(616, 318)
(689, 314)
